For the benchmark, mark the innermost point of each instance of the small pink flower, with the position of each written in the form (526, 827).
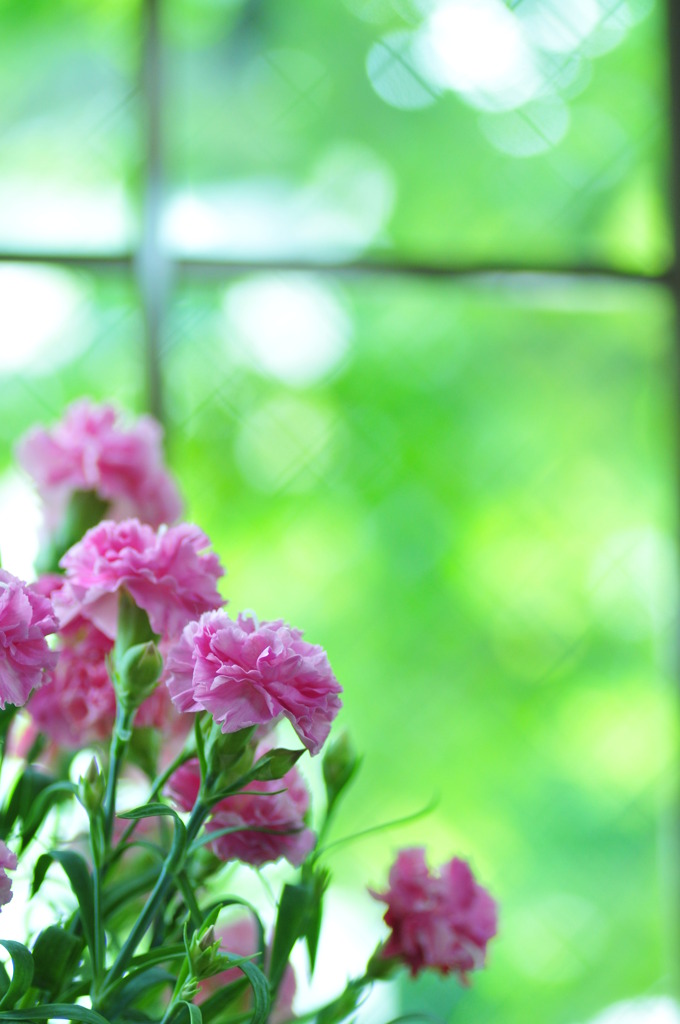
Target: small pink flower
(8, 862)
(77, 706)
(26, 618)
(91, 449)
(167, 572)
(439, 921)
(248, 673)
(240, 939)
(280, 816)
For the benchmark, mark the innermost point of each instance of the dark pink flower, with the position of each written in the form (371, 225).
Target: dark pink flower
(26, 618)
(270, 823)
(8, 862)
(240, 939)
(91, 449)
(169, 573)
(248, 673)
(439, 921)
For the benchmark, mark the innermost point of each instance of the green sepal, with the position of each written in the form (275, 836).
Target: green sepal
(76, 870)
(56, 953)
(133, 625)
(85, 509)
(22, 973)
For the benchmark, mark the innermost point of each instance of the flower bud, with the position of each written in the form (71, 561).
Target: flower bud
(339, 764)
(204, 954)
(91, 787)
(137, 674)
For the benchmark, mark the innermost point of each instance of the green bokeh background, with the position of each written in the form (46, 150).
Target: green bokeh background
(473, 508)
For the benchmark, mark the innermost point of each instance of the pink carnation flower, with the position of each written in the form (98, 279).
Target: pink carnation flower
(258, 807)
(92, 450)
(439, 921)
(248, 673)
(78, 704)
(26, 618)
(240, 939)
(8, 862)
(167, 572)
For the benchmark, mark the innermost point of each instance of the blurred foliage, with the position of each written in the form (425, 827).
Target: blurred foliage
(464, 491)
(285, 144)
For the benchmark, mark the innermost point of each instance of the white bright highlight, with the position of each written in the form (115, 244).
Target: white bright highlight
(292, 328)
(478, 49)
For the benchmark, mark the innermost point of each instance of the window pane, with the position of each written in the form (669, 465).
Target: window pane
(452, 129)
(465, 495)
(67, 124)
(65, 335)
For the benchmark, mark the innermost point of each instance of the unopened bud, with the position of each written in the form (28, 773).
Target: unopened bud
(91, 787)
(339, 764)
(137, 674)
(204, 954)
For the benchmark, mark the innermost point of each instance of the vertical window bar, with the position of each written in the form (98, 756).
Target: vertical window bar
(152, 264)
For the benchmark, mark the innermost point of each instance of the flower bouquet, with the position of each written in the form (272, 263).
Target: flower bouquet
(145, 668)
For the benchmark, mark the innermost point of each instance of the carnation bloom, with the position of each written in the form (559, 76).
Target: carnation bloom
(8, 861)
(167, 572)
(77, 706)
(240, 939)
(248, 673)
(26, 618)
(439, 921)
(270, 823)
(92, 450)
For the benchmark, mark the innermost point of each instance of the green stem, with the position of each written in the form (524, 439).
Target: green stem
(171, 866)
(189, 899)
(156, 788)
(99, 951)
(119, 743)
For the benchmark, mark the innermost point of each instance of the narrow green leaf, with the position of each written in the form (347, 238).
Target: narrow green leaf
(209, 837)
(151, 811)
(134, 988)
(182, 1008)
(22, 973)
(213, 1007)
(117, 895)
(29, 785)
(274, 764)
(76, 870)
(382, 827)
(318, 880)
(260, 987)
(4, 980)
(56, 953)
(291, 923)
(48, 798)
(58, 1011)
